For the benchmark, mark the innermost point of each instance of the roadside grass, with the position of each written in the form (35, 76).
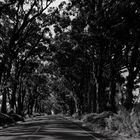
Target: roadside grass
(125, 125)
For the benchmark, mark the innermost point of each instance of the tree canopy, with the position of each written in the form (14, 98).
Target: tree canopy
(71, 58)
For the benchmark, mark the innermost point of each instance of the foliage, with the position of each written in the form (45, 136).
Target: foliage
(93, 49)
(124, 123)
(96, 122)
(22, 41)
(68, 58)
(16, 117)
(5, 119)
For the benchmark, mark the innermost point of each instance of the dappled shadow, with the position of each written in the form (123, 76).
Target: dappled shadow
(97, 135)
(50, 136)
(27, 138)
(47, 130)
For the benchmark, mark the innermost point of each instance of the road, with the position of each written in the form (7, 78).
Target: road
(46, 128)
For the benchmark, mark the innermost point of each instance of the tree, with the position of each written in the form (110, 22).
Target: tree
(21, 35)
(97, 35)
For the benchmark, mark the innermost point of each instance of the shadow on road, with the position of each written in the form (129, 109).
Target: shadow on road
(52, 129)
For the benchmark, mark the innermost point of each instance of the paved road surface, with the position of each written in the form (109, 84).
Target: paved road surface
(46, 128)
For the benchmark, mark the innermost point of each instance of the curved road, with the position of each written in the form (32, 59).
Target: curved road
(46, 128)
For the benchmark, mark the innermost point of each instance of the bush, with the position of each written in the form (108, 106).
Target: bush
(93, 117)
(125, 122)
(97, 122)
(89, 117)
(76, 116)
(5, 119)
(17, 117)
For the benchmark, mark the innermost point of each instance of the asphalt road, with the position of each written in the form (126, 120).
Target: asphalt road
(46, 128)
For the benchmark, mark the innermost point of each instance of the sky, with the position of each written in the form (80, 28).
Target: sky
(55, 3)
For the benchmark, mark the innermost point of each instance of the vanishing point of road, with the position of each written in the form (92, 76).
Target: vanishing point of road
(46, 128)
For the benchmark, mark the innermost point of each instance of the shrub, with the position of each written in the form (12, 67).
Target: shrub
(17, 117)
(125, 122)
(97, 122)
(89, 117)
(5, 119)
(93, 117)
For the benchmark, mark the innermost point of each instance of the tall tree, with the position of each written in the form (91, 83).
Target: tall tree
(21, 33)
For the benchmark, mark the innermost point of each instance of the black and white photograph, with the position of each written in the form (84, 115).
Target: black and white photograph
(69, 69)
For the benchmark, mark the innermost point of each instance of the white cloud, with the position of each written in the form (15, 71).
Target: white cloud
(57, 2)
(2, 1)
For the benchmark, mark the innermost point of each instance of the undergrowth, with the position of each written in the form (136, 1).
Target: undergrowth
(124, 123)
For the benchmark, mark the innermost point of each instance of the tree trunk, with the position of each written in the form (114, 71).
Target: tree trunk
(77, 105)
(1, 70)
(102, 99)
(95, 82)
(99, 5)
(19, 104)
(20, 101)
(113, 87)
(91, 98)
(129, 95)
(31, 102)
(36, 106)
(4, 107)
(113, 94)
(13, 97)
(31, 108)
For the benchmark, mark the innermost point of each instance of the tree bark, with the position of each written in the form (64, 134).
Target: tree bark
(4, 101)
(13, 97)
(129, 95)
(113, 94)
(113, 88)
(91, 98)
(19, 104)
(77, 105)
